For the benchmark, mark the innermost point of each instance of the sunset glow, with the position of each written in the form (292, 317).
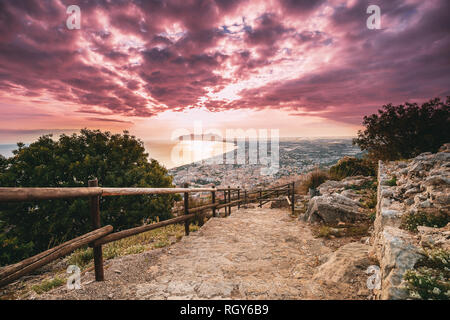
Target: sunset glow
(308, 68)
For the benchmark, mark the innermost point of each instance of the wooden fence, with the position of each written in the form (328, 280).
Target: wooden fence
(102, 235)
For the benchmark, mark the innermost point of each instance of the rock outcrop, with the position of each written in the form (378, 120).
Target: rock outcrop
(338, 202)
(435, 237)
(418, 185)
(332, 209)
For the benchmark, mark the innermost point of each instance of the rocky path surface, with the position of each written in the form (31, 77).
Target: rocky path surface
(252, 254)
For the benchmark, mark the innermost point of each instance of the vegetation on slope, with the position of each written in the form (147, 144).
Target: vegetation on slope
(116, 160)
(405, 131)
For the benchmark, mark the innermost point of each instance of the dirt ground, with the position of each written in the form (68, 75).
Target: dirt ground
(258, 253)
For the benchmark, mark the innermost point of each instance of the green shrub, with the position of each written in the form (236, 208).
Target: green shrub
(350, 166)
(430, 278)
(404, 131)
(434, 219)
(117, 160)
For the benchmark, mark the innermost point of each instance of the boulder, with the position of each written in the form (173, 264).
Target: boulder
(332, 209)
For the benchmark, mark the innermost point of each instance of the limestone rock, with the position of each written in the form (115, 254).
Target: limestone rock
(396, 255)
(332, 186)
(332, 209)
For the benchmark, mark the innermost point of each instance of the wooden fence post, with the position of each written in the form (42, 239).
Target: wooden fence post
(239, 197)
(225, 201)
(213, 198)
(186, 209)
(260, 198)
(293, 198)
(95, 215)
(229, 200)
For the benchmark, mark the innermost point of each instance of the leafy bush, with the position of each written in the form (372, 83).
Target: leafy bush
(117, 160)
(430, 278)
(404, 131)
(434, 219)
(350, 166)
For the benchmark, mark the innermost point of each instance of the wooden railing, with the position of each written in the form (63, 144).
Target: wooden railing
(102, 235)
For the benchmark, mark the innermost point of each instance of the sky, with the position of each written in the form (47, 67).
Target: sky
(307, 68)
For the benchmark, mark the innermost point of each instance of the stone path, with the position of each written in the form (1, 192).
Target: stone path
(252, 254)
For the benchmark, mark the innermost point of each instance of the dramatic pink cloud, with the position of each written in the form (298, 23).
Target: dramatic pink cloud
(135, 60)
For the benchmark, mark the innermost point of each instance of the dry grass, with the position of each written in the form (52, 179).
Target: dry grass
(311, 180)
(145, 241)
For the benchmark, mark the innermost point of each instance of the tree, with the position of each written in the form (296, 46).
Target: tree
(117, 160)
(404, 131)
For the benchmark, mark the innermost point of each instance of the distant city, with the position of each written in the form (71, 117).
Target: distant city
(296, 157)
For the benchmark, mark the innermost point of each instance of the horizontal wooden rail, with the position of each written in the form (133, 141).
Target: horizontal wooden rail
(205, 207)
(133, 231)
(141, 191)
(232, 203)
(30, 194)
(15, 271)
(101, 236)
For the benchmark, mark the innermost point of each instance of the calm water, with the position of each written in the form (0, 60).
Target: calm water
(6, 149)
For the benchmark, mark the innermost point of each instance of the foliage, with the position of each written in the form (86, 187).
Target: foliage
(404, 131)
(434, 219)
(430, 278)
(117, 160)
(350, 166)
